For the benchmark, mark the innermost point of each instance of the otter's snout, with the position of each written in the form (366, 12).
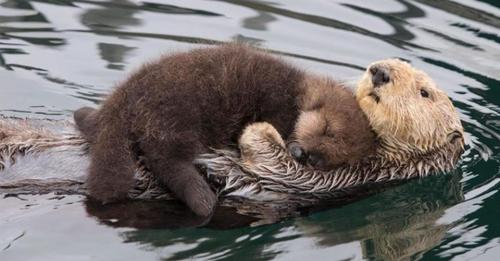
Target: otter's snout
(300, 155)
(380, 75)
(316, 160)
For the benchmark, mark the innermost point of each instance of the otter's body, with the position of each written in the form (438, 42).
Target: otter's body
(419, 134)
(180, 106)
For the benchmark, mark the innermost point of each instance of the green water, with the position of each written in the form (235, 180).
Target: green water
(59, 55)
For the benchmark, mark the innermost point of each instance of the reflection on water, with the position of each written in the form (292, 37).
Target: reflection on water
(114, 54)
(388, 226)
(391, 227)
(56, 56)
(113, 14)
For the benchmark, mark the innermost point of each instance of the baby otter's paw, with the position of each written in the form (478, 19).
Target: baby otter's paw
(107, 192)
(313, 159)
(200, 198)
(297, 152)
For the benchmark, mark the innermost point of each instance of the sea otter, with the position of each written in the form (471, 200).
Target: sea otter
(418, 130)
(178, 107)
(419, 133)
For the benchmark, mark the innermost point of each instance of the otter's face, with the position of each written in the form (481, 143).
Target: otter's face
(405, 107)
(315, 135)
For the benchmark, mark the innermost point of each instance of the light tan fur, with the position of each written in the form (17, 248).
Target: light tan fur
(402, 117)
(253, 141)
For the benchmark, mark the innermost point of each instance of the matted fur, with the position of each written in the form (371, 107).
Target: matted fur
(173, 109)
(419, 134)
(264, 170)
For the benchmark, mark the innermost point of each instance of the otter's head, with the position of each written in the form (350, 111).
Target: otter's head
(407, 110)
(331, 129)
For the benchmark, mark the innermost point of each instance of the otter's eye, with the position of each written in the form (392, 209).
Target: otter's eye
(424, 93)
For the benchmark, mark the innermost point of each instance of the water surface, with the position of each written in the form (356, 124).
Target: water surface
(56, 56)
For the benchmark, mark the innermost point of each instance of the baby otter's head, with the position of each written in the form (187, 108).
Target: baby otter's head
(331, 129)
(406, 109)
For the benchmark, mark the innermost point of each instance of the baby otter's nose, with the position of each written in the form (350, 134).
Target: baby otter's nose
(380, 75)
(316, 160)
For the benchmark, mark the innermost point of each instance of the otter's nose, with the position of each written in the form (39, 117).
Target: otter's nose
(380, 75)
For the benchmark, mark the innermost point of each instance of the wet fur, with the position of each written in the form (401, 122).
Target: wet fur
(86, 122)
(332, 125)
(176, 108)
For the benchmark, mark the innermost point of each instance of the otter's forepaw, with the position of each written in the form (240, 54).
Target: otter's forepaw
(297, 152)
(260, 132)
(82, 113)
(257, 140)
(200, 198)
(87, 123)
(107, 195)
(108, 189)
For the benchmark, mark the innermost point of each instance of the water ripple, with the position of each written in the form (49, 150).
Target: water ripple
(56, 56)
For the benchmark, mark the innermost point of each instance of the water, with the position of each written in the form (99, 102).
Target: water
(58, 55)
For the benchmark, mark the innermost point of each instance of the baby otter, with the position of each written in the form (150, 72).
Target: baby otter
(171, 110)
(330, 130)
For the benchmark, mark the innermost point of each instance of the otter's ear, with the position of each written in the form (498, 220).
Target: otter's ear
(455, 136)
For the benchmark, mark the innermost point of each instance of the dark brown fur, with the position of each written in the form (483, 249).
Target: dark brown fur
(176, 108)
(332, 128)
(86, 121)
